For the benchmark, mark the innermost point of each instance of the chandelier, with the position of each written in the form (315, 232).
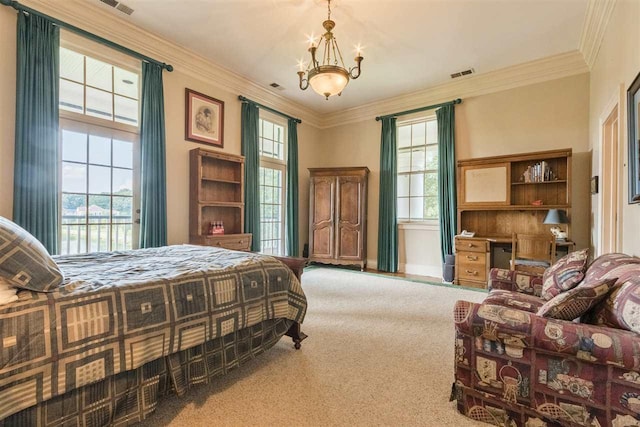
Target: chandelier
(330, 76)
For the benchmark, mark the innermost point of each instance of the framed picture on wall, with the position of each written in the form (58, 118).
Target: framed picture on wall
(204, 117)
(633, 121)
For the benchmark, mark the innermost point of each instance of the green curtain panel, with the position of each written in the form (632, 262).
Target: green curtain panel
(387, 220)
(293, 243)
(447, 203)
(35, 191)
(153, 198)
(249, 140)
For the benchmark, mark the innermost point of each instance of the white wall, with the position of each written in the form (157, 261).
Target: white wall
(617, 64)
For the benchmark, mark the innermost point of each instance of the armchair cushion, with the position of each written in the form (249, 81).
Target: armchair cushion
(517, 300)
(575, 302)
(516, 281)
(564, 274)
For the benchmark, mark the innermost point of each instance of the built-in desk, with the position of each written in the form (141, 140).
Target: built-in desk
(476, 255)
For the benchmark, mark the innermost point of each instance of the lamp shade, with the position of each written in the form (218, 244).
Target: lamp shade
(556, 216)
(328, 80)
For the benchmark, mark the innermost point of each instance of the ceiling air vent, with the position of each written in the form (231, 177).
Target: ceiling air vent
(463, 73)
(276, 86)
(119, 6)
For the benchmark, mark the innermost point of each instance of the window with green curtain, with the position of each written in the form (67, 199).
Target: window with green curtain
(35, 194)
(293, 244)
(447, 201)
(250, 117)
(387, 215)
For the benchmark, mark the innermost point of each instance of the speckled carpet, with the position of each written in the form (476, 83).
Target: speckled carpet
(379, 353)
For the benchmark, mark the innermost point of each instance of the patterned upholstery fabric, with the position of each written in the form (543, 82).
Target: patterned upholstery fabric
(119, 310)
(566, 273)
(575, 302)
(24, 261)
(621, 308)
(132, 396)
(517, 281)
(514, 368)
(517, 300)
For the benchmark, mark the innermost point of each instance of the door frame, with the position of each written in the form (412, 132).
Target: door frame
(616, 102)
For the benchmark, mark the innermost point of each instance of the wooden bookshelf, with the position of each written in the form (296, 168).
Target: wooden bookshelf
(217, 195)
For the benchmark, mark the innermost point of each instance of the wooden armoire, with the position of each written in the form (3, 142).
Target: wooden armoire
(338, 216)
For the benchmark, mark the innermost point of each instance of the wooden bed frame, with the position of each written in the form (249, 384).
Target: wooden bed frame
(296, 265)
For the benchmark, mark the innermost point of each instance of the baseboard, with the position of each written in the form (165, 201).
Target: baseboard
(421, 269)
(372, 264)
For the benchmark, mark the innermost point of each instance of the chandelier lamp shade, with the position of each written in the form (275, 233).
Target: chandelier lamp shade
(328, 75)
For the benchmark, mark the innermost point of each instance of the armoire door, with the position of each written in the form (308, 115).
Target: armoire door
(321, 215)
(349, 218)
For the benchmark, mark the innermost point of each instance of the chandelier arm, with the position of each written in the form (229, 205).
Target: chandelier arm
(357, 68)
(339, 54)
(303, 81)
(314, 61)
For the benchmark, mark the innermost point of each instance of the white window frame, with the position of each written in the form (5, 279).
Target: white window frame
(416, 224)
(70, 120)
(281, 165)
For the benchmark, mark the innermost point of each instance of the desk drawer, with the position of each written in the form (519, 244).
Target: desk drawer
(471, 245)
(475, 258)
(472, 271)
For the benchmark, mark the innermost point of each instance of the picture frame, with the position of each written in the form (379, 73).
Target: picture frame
(594, 184)
(204, 118)
(633, 123)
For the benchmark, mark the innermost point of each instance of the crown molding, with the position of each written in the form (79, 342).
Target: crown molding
(541, 70)
(595, 25)
(94, 18)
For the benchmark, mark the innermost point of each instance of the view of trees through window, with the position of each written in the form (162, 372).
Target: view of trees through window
(418, 170)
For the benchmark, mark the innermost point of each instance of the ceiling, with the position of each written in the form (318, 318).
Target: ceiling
(408, 45)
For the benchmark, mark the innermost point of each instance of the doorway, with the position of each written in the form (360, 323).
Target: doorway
(610, 182)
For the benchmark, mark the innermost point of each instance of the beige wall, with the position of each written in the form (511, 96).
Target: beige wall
(544, 116)
(617, 64)
(7, 107)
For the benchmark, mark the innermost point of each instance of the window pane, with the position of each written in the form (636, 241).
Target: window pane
(73, 239)
(98, 238)
(267, 148)
(74, 208)
(74, 178)
(99, 180)
(99, 104)
(432, 132)
(418, 134)
(417, 184)
(126, 110)
(417, 159)
(432, 157)
(99, 74)
(278, 133)
(121, 237)
(404, 136)
(403, 185)
(126, 83)
(71, 65)
(122, 154)
(416, 207)
(403, 208)
(99, 150)
(431, 184)
(404, 161)
(267, 129)
(431, 207)
(74, 146)
(71, 96)
(99, 209)
(122, 181)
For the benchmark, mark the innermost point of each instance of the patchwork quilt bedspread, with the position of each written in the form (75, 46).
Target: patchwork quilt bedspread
(119, 310)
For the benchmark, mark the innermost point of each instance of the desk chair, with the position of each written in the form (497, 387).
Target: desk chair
(532, 253)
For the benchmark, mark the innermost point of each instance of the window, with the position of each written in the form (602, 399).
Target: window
(99, 155)
(418, 170)
(272, 190)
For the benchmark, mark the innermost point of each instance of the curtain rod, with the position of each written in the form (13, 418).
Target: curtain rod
(243, 99)
(416, 110)
(90, 36)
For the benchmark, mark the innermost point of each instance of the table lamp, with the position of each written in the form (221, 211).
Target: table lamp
(557, 216)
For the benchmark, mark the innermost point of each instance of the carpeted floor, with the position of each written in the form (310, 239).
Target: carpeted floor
(379, 352)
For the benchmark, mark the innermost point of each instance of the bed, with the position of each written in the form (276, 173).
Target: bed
(126, 328)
